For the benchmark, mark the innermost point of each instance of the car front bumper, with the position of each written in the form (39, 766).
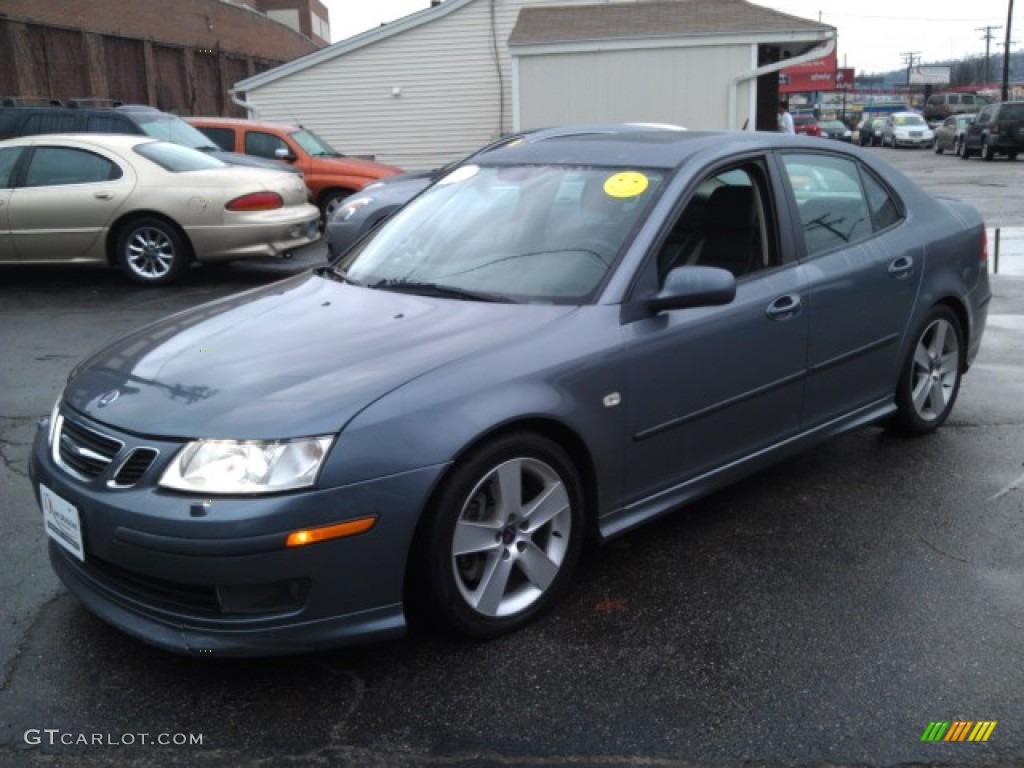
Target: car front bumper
(224, 582)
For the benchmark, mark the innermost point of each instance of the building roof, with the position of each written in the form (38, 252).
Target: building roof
(652, 19)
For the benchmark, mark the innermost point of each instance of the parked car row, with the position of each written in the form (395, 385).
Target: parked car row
(137, 188)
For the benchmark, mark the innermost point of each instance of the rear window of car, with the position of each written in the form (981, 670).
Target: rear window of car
(176, 158)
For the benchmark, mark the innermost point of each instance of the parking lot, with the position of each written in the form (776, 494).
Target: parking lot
(822, 612)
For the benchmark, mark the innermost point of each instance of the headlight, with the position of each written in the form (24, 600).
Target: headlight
(227, 466)
(348, 210)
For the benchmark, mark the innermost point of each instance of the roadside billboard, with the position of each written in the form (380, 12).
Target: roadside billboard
(930, 75)
(814, 75)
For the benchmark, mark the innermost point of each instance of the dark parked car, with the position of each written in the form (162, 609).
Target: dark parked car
(997, 130)
(566, 336)
(835, 129)
(17, 120)
(950, 134)
(869, 131)
(806, 125)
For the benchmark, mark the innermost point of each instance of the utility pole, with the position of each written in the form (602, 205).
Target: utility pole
(987, 37)
(1006, 54)
(910, 56)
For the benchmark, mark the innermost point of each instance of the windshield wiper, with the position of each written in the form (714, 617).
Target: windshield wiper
(436, 289)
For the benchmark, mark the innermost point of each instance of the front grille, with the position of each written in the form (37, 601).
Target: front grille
(134, 467)
(85, 451)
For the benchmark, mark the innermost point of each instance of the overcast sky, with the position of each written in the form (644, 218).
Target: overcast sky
(872, 33)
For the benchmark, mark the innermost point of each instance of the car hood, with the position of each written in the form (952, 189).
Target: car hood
(348, 165)
(298, 358)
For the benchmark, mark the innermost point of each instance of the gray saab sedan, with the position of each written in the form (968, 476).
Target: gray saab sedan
(568, 336)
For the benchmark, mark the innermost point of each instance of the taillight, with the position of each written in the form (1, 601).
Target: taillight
(256, 201)
(984, 248)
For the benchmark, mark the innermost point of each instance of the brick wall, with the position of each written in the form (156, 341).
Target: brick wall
(181, 56)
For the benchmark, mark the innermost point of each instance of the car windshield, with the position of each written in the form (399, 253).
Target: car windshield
(314, 145)
(537, 233)
(909, 120)
(173, 129)
(176, 158)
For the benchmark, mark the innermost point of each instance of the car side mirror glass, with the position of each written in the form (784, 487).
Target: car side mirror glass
(283, 153)
(693, 287)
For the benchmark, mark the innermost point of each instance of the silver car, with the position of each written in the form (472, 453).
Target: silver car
(563, 337)
(147, 206)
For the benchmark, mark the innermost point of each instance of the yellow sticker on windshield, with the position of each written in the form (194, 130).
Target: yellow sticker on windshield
(625, 184)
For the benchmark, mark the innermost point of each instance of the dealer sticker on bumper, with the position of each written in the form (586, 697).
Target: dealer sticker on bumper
(61, 520)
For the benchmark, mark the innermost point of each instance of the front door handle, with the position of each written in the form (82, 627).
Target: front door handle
(901, 267)
(784, 307)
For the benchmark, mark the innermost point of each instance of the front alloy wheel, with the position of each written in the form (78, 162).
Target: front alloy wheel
(504, 536)
(931, 375)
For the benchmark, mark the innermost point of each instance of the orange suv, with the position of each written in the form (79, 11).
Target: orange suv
(330, 175)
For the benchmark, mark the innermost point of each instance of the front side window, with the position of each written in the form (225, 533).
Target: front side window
(545, 233)
(263, 144)
(109, 123)
(831, 202)
(58, 166)
(967, 98)
(726, 224)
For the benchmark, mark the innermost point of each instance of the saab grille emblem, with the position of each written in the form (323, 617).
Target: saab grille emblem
(108, 398)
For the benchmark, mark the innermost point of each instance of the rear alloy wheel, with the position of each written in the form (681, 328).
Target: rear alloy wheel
(503, 537)
(931, 373)
(151, 251)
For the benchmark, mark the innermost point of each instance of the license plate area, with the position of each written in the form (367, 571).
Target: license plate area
(62, 522)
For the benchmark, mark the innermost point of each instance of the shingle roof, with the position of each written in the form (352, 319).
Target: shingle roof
(652, 19)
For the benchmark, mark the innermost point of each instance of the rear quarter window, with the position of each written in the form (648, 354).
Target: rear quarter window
(222, 137)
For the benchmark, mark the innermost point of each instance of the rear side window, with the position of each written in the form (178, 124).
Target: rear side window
(110, 123)
(832, 206)
(58, 166)
(49, 122)
(176, 158)
(1011, 112)
(884, 211)
(8, 159)
(222, 137)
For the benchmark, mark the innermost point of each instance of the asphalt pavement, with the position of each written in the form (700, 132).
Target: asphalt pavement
(823, 612)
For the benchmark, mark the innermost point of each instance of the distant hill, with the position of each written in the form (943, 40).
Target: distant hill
(966, 71)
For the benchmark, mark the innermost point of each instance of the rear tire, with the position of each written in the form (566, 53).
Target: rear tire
(931, 373)
(986, 151)
(151, 251)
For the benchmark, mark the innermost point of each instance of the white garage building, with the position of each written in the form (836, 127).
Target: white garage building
(432, 86)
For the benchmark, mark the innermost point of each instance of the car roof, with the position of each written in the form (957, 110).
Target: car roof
(241, 122)
(638, 147)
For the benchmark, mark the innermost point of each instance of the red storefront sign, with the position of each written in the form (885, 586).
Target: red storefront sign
(816, 75)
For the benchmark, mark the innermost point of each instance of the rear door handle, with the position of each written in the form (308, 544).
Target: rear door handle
(901, 267)
(784, 307)
(103, 195)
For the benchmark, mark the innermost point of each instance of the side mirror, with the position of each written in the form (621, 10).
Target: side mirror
(283, 153)
(693, 287)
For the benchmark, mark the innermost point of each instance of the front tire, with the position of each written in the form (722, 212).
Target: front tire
(502, 538)
(931, 373)
(330, 203)
(151, 251)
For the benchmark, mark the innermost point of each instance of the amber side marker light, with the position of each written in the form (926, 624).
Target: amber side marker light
(324, 533)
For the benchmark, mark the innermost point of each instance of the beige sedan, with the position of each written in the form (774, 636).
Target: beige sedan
(147, 206)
